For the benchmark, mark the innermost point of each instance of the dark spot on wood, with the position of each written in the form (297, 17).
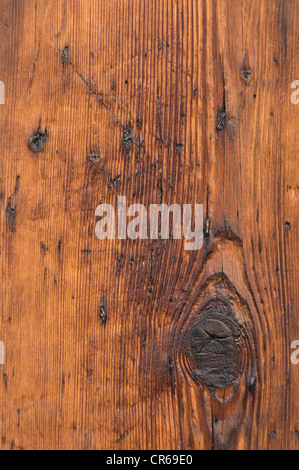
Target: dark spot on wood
(212, 345)
(103, 310)
(119, 263)
(59, 246)
(17, 184)
(62, 385)
(37, 140)
(114, 181)
(287, 225)
(272, 434)
(178, 148)
(93, 166)
(246, 74)
(11, 214)
(128, 139)
(94, 157)
(65, 56)
(43, 249)
(170, 372)
(251, 383)
(221, 120)
(139, 122)
(5, 381)
(275, 60)
(121, 437)
(86, 253)
(160, 190)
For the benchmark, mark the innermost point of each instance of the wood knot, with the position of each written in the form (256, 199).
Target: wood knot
(37, 140)
(212, 347)
(246, 74)
(246, 71)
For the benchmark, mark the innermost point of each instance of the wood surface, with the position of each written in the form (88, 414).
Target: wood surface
(174, 101)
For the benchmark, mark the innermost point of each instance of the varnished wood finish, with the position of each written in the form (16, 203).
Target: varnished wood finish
(183, 101)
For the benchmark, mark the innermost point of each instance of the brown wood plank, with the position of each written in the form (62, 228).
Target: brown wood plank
(167, 101)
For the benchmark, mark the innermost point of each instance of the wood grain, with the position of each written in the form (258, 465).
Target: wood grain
(174, 101)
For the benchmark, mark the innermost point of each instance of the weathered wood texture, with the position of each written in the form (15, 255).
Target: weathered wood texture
(183, 101)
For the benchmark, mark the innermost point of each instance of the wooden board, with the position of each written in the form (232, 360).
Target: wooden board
(167, 101)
